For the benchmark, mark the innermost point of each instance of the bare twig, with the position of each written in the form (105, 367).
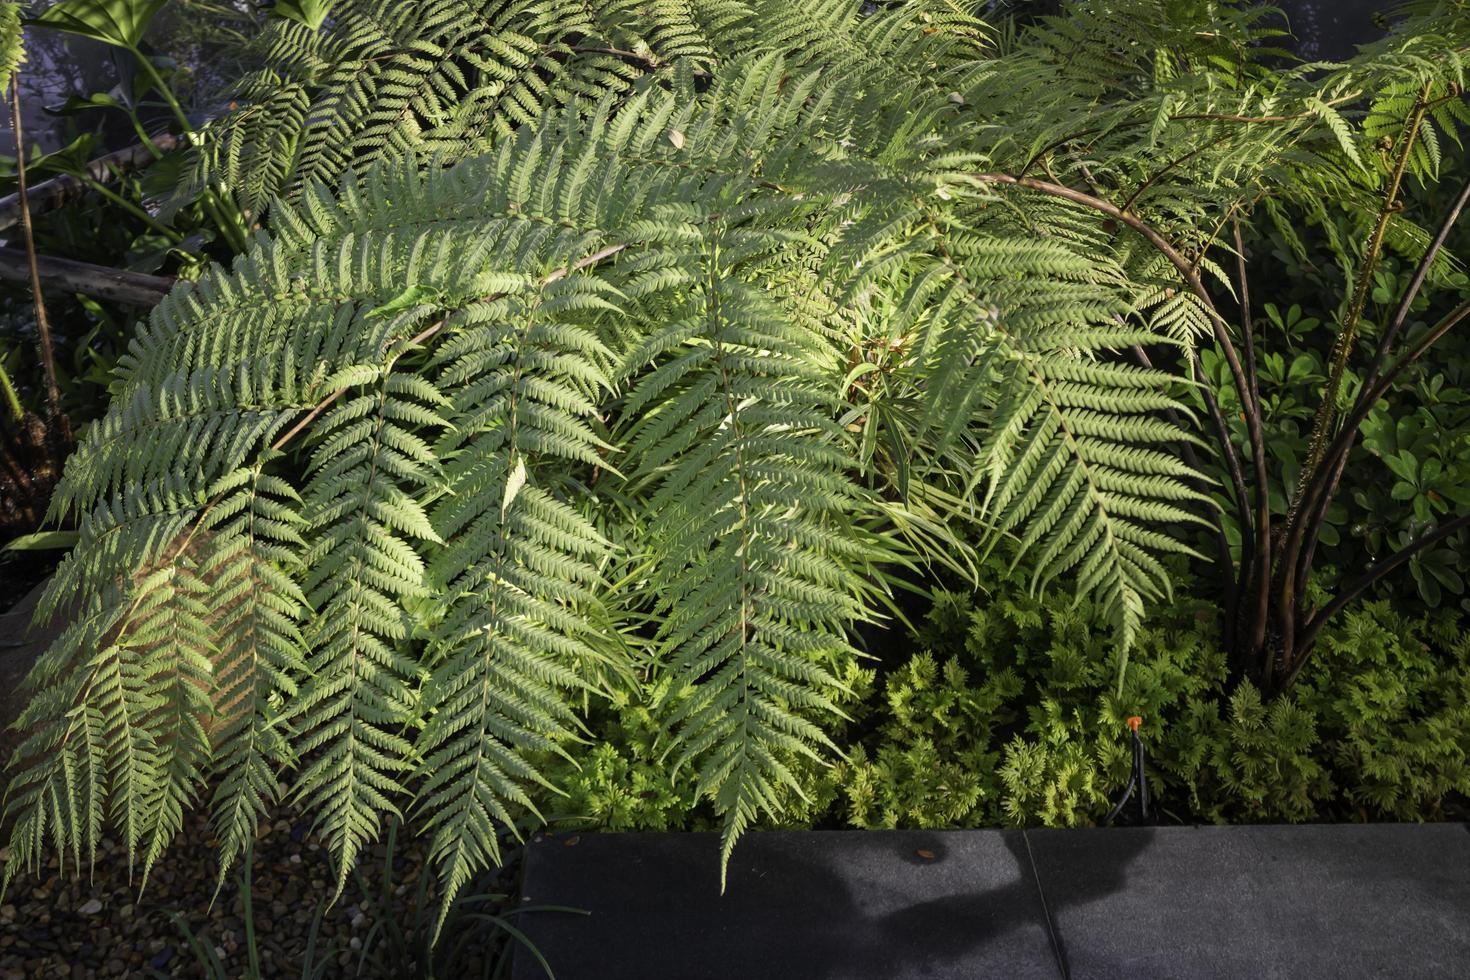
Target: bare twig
(43, 326)
(1221, 117)
(98, 281)
(51, 194)
(305, 420)
(1361, 584)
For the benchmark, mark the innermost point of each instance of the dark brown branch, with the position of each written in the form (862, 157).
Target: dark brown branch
(97, 281)
(1316, 517)
(1338, 450)
(1319, 495)
(1401, 314)
(1362, 583)
(1217, 323)
(51, 194)
(1290, 574)
(1255, 576)
(1342, 347)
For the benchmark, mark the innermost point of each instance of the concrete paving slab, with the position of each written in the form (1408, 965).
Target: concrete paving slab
(1299, 902)
(833, 905)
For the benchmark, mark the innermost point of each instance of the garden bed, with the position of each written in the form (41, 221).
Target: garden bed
(54, 925)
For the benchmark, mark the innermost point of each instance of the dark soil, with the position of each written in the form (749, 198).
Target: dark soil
(60, 924)
(22, 571)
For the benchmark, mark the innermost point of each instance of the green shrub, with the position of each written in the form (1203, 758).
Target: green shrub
(1394, 694)
(1247, 760)
(623, 783)
(1010, 713)
(933, 748)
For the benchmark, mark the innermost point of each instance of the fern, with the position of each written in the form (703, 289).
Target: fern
(643, 340)
(757, 572)
(448, 77)
(12, 43)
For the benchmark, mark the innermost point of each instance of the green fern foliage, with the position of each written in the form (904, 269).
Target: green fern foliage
(621, 340)
(386, 79)
(756, 564)
(12, 43)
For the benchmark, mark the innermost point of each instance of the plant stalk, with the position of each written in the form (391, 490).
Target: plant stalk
(43, 325)
(1342, 347)
(1288, 570)
(1255, 578)
(224, 215)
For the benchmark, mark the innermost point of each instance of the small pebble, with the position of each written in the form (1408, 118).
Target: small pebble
(91, 907)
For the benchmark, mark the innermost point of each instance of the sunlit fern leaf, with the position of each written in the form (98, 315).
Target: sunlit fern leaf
(520, 570)
(257, 608)
(362, 518)
(757, 574)
(12, 44)
(446, 78)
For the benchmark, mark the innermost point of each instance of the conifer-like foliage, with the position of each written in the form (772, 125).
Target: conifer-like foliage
(596, 343)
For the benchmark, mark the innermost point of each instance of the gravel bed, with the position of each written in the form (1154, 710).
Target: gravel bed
(54, 925)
